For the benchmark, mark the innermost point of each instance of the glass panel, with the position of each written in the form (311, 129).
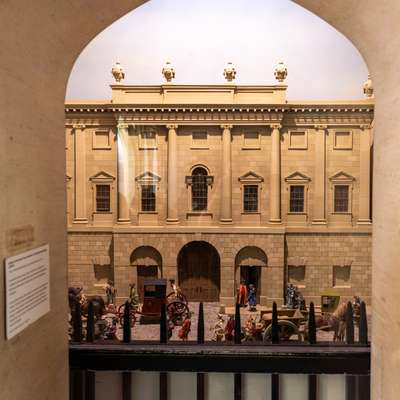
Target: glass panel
(293, 386)
(199, 190)
(148, 198)
(103, 198)
(250, 198)
(341, 198)
(219, 386)
(296, 198)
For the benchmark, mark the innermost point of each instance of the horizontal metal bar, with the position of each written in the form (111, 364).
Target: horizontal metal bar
(296, 359)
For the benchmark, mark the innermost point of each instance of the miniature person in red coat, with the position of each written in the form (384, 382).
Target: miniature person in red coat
(229, 328)
(242, 294)
(185, 329)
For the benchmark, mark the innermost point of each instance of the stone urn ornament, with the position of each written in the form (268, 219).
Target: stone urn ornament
(280, 72)
(118, 72)
(230, 72)
(168, 72)
(368, 87)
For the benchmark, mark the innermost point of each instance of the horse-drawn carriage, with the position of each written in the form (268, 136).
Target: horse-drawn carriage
(154, 297)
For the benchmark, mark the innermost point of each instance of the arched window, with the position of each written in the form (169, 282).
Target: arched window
(199, 189)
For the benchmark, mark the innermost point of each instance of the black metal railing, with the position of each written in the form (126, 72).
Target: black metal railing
(86, 356)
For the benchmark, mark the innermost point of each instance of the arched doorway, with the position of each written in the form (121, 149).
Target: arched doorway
(148, 263)
(199, 271)
(249, 263)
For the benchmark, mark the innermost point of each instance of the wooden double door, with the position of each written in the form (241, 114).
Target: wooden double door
(199, 272)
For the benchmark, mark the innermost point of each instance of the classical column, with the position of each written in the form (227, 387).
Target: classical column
(172, 190)
(319, 203)
(275, 175)
(80, 209)
(226, 175)
(364, 216)
(123, 173)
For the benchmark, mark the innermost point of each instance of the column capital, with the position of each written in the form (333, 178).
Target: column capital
(79, 126)
(320, 127)
(226, 126)
(172, 126)
(275, 126)
(365, 126)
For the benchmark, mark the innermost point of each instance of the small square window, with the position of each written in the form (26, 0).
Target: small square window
(341, 202)
(101, 140)
(103, 198)
(148, 197)
(343, 140)
(298, 140)
(148, 139)
(250, 198)
(296, 274)
(296, 199)
(341, 275)
(199, 140)
(251, 140)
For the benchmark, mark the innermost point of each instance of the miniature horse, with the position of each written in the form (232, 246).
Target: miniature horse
(335, 323)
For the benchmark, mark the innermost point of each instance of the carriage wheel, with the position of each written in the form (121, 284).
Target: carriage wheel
(286, 330)
(177, 311)
(121, 310)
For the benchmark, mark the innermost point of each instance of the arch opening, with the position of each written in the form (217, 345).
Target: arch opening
(199, 271)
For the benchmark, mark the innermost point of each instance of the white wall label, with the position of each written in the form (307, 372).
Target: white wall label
(27, 289)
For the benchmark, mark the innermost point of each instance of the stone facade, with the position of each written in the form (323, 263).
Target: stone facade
(307, 165)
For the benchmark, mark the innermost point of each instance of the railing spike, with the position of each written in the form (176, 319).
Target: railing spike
(274, 326)
(77, 321)
(200, 325)
(238, 327)
(349, 324)
(127, 323)
(312, 331)
(163, 324)
(90, 323)
(363, 325)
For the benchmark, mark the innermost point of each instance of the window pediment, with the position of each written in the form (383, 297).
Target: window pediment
(297, 177)
(147, 178)
(251, 177)
(342, 177)
(102, 176)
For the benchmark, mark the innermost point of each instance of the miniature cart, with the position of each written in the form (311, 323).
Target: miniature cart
(289, 322)
(153, 299)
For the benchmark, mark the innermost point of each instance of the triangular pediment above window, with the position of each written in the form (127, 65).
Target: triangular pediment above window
(102, 176)
(342, 176)
(148, 177)
(297, 176)
(251, 177)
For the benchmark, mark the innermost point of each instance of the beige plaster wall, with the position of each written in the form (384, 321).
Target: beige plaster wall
(40, 43)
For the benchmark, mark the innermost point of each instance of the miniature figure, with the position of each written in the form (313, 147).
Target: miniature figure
(185, 328)
(252, 330)
(170, 327)
(109, 330)
(133, 295)
(229, 328)
(110, 292)
(219, 329)
(252, 298)
(176, 290)
(291, 296)
(242, 294)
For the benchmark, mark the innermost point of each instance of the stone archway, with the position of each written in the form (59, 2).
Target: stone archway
(249, 264)
(38, 197)
(148, 264)
(199, 271)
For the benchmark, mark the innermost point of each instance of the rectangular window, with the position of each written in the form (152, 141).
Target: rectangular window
(341, 275)
(199, 140)
(296, 274)
(341, 198)
(148, 198)
(103, 198)
(251, 140)
(296, 198)
(148, 140)
(250, 198)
